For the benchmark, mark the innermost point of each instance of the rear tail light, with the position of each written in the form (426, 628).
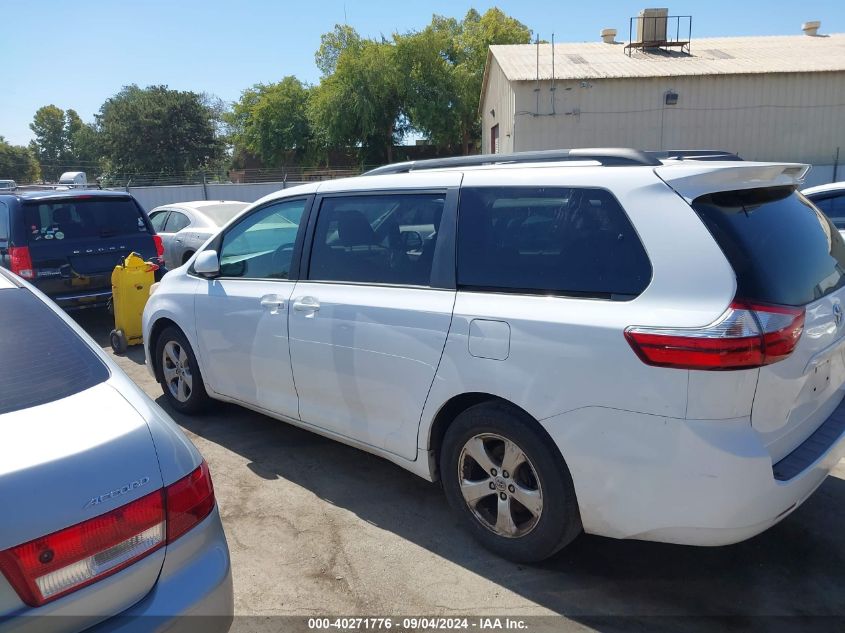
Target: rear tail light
(159, 246)
(49, 567)
(20, 262)
(189, 501)
(747, 335)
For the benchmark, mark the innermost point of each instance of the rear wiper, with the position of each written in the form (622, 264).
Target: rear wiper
(108, 233)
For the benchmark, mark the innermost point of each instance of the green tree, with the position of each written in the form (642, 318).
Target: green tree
(332, 44)
(360, 104)
(17, 163)
(443, 67)
(270, 120)
(156, 131)
(50, 143)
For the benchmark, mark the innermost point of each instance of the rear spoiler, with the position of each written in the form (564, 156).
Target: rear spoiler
(693, 179)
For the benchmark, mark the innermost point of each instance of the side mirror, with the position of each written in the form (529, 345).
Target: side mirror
(207, 264)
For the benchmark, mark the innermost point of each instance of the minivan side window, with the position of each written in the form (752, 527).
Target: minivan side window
(384, 239)
(260, 246)
(834, 208)
(548, 241)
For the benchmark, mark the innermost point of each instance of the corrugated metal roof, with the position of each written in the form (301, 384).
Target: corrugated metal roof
(709, 56)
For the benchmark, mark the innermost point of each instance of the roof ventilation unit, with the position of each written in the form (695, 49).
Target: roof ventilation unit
(651, 27)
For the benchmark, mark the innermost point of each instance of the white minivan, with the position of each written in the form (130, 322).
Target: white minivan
(597, 340)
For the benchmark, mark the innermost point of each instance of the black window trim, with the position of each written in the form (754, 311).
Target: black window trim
(293, 275)
(443, 262)
(572, 294)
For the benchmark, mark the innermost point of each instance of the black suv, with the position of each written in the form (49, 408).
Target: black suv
(68, 242)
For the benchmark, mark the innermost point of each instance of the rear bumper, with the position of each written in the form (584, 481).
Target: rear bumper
(194, 589)
(693, 482)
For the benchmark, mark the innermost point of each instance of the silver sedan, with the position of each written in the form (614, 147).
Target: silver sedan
(107, 508)
(185, 226)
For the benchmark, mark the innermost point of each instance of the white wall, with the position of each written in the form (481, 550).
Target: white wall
(779, 117)
(152, 197)
(501, 101)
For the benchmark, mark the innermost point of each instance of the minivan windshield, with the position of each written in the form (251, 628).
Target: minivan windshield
(783, 249)
(75, 218)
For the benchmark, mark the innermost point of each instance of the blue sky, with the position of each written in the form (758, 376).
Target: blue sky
(75, 54)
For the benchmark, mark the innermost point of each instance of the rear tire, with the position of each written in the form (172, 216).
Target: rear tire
(187, 256)
(511, 489)
(178, 372)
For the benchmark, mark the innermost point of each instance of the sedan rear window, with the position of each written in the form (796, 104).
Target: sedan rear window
(41, 358)
(783, 250)
(74, 218)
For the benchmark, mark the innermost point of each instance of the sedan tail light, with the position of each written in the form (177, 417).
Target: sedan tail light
(159, 246)
(51, 566)
(747, 335)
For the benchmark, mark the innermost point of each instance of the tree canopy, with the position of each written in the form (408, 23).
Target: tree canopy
(156, 131)
(18, 163)
(271, 120)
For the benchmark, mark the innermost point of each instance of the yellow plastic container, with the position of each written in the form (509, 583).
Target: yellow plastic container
(130, 286)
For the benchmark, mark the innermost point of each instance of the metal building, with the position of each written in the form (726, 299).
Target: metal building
(766, 98)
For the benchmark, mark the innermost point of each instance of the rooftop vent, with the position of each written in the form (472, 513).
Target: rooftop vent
(608, 36)
(811, 28)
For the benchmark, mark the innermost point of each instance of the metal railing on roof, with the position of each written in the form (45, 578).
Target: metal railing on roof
(605, 156)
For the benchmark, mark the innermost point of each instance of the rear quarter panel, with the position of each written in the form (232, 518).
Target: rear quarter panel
(570, 354)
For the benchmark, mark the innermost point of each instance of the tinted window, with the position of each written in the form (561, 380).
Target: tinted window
(176, 222)
(834, 208)
(377, 239)
(550, 240)
(261, 245)
(4, 222)
(782, 249)
(73, 219)
(157, 220)
(42, 358)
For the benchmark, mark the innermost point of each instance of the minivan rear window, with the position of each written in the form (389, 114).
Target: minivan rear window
(41, 358)
(74, 218)
(783, 250)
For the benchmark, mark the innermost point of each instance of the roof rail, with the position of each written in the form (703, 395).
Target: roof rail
(607, 156)
(693, 154)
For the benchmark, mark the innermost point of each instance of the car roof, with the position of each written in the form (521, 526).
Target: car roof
(50, 194)
(833, 186)
(199, 205)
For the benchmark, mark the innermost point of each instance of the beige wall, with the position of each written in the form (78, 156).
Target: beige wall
(788, 117)
(501, 99)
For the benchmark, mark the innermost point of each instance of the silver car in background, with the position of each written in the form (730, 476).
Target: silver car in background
(185, 226)
(107, 508)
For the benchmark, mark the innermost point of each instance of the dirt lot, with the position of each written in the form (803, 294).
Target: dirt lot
(316, 528)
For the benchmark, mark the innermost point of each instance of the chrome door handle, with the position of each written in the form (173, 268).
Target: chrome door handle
(272, 301)
(306, 304)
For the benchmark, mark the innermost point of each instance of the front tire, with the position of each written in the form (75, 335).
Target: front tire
(511, 489)
(178, 372)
